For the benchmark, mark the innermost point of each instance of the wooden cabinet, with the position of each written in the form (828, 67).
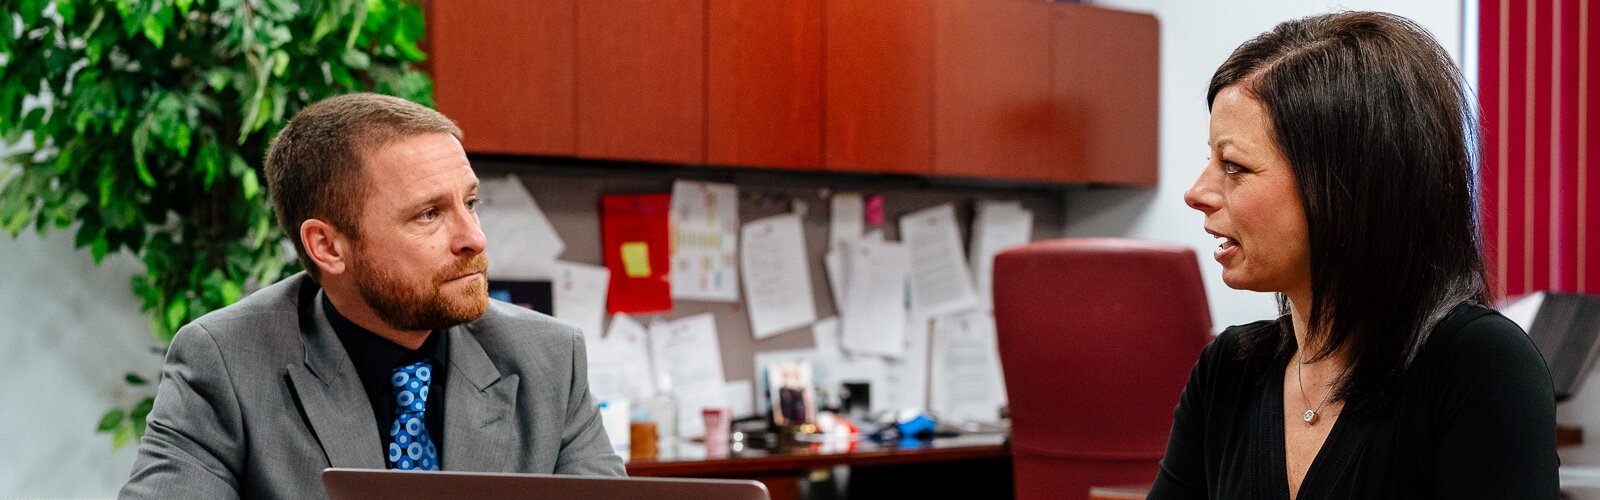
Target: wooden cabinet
(1107, 90)
(998, 89)
(641, 80)
(764, 98)
(992, 90)
(878, 90)
(503, 70)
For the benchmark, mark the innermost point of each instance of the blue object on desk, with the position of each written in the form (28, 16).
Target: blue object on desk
(916, 426)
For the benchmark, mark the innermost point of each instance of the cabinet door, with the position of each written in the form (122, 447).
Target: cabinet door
(1107, 94)
(878, 87)
(764, 104)
(641, 80)
(503, 70)
(991, 75)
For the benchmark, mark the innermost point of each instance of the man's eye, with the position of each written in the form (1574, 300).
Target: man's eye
(428, 215)
(472, 204)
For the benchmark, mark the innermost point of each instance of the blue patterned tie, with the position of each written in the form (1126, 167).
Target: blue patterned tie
(410, 448)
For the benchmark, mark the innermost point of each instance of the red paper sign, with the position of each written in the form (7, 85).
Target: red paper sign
(635, 234)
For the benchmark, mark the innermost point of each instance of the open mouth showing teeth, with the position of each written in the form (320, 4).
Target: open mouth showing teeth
(1227, 243)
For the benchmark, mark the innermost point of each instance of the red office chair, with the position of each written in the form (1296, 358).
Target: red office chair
(1097, 337)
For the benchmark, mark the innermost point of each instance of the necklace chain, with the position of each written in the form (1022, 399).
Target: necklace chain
(1312, 414)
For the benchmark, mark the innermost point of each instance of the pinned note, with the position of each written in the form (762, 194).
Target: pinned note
(874, 210)
(967, 382)
(579, 297)
(635, 238)
(687, 353)
(705, 221)
(997, 226)
(845, 217)
(619, 363)
(872, 316)
(636, 259)
(522, 243)
(940, 281)
(777, 279)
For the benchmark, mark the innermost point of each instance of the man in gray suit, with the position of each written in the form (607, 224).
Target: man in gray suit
(386, 352)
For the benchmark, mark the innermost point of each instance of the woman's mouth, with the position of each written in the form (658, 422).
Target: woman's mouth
(1226, 249)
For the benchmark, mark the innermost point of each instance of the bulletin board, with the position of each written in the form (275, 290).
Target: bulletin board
(569, 191)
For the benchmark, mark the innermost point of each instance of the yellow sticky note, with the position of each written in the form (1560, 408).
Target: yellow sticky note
(636, 259)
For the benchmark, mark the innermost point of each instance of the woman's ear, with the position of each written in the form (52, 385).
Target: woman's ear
(326, 247)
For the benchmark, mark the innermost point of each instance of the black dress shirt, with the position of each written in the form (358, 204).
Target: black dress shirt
(1474, 418)
(375, 359)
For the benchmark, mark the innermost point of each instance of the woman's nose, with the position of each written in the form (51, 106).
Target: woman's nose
(1203, 195)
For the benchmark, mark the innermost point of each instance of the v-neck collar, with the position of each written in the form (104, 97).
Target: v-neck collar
(1338, 451)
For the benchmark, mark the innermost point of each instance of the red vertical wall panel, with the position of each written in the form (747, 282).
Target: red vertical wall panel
(1490, 164)
(1536, 87)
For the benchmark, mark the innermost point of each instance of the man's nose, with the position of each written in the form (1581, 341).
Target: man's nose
(470, 239)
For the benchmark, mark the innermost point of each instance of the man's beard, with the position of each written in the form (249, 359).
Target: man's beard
(416, 305)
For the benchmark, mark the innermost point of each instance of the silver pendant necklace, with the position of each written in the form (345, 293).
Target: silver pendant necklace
(1312, 414)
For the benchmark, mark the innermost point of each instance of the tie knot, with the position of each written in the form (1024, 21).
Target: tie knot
(410, 383)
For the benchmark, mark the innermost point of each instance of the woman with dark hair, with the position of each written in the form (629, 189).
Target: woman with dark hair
(1341, 178)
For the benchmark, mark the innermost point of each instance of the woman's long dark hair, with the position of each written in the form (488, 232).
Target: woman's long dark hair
(1372, 116)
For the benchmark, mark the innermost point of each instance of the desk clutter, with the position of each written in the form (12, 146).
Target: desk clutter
(912, 334)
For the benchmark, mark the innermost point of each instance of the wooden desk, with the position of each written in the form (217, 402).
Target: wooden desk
(1124, 492)
(782, 470)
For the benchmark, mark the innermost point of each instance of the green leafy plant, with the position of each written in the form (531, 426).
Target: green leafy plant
(144, 124)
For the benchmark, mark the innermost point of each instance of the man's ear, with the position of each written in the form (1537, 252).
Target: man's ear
(327, 248)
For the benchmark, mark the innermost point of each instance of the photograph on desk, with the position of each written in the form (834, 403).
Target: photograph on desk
(793, 395)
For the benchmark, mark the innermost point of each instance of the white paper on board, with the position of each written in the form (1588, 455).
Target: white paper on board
(846, 218)
(688, 353)
(579, 297)
(967, 382)
(619, 363)
(705, 221)
(997, 226)
(522, 243)
(872, 317)
(940, 281)
(777, 279)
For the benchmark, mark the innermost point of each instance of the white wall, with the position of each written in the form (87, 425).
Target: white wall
(1196, 36)
(72, 329)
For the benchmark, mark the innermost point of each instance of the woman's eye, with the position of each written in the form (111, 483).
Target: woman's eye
(1229, 167)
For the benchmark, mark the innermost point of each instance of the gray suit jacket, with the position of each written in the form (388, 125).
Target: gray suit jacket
(258, 397)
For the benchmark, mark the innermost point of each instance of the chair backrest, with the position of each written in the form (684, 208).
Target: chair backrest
(1097, 337)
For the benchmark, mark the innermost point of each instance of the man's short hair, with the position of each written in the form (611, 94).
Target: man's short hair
(313, 167)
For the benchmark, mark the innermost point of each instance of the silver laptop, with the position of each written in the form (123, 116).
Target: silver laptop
(361, 484)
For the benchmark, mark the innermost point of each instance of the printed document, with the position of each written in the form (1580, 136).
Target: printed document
(940, 282)
(777, 279)
(872, 318)
(619, 363)
(845, 219)
(997, 226)
(579, 297)
(967, 382)
(687, 353)
(705, 221)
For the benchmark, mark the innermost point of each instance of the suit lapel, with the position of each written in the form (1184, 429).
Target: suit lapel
(479, 420)
(331, 396)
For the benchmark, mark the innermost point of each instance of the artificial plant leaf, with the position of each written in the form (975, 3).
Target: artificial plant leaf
(110, 420)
